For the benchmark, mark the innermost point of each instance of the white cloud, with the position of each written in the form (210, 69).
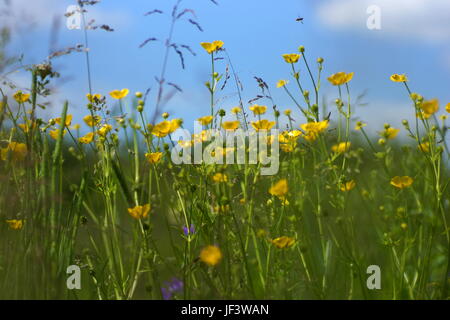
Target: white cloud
(418, 19)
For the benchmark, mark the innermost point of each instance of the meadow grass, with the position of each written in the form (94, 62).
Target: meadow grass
(106, 196)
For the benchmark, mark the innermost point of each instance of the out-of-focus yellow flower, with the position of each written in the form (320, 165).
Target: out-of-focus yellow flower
(204, 121)
(291, 57)
(347, 186)
(279, 189)
(153, 157)
(119, 94)
(402, 182)
(282, 83)
(87, 138)
(18, 151)
(236, 110)
(313, 129)
(162, 129)
(15, 224)
(211, 255)
(28, 126)
(230, 125)
(186, 143)
(203, 136)
(424, 147)
(75, 127)
(258, 110)
(340, 78)
(103, 131)
(288, 147)
(287, 112)
(430, 107)
(399, 78)
(139, 212)
(211, 47)
(341, 147)
(222, 208)
(443, 117)
(92, 121)
(447, 107)
(390, 133)
(220, 177)
(94, 98)
(263, 124)
(283, 242)
(359, 125)
(21, 97)
(68, 120)
(55, 133)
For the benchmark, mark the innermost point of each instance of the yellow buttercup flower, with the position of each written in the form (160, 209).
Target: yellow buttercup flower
(430, 107)
(211, 255)
(119, 94)
(204, 121)
(340, 78)
(86, 139)
(347, 186)
(282, 83)
(92, 121)
(341, 147)
(162, 129)
(283, 242)
(21, 97)
(291, 57)
(424, 147)
(139, 212)
(230, 125)
(211, 47)
(313, 129)
(94, 98)
(279, 189)
(103, 131)
(258, 110)
(55, 133)
(15, 224)
(68, 120)
(447, 107)
(175, 124)
(262, 125)
(287, 112)
(399, 78)
(153, 157)
(236, 110)
(402, 182)
(220, 177)
(18, 151)
(390, 133)
(359, 125)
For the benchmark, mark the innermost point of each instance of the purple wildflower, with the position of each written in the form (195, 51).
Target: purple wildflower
(189, 231)
(171, 287)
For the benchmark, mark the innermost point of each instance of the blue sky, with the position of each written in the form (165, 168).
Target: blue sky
(414, 39)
